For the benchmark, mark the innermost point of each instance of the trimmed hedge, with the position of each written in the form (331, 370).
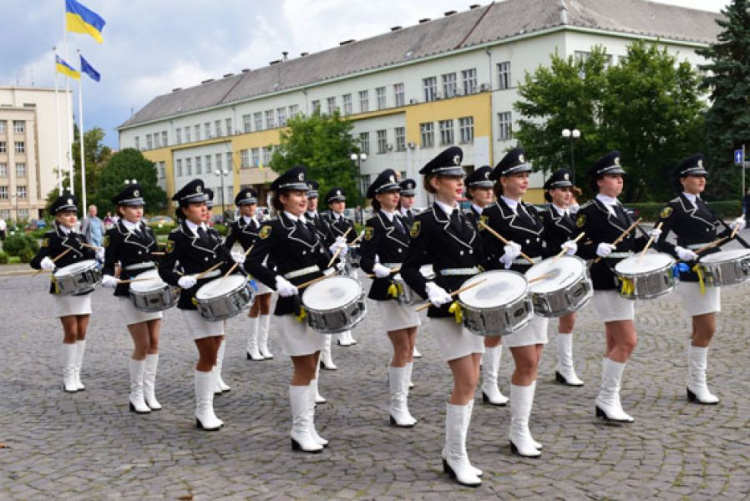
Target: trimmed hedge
(15, 244)
(725, 209)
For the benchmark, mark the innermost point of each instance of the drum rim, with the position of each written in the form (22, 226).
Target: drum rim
(77, 267)
(670, 262)
(352, 301)
(712, 258)
(229, 291)
(561, 286)
(525, 292)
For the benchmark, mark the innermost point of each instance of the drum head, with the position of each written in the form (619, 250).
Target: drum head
(727, 255)
(638, 264)
(497, 288)
(153, 282)
(331, 293)
(74, 268)
(557, 274)
(221, 287)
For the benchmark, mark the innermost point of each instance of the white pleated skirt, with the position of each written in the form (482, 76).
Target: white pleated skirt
(535, 332)
(396, 316)
(453, 339)
(611, 307)
(696, 303)
(198, 327)
(296, 338)
(66, 306)
(131, 315)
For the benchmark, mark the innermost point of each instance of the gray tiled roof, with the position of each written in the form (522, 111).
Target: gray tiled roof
(490, 23)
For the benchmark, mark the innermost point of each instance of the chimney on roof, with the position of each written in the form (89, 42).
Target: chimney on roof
(177, 89)
(474, 6)
(450, 13)
(347, 42)
(229, 75)
(395, 28)
(286, 56)
(245, 70)
(277, 61)
(563, 12)
(303, 54)
(424, 20)
(207, 81)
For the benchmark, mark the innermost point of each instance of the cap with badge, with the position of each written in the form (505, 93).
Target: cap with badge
(64, 203)
(312, 189)
(562, 178)
(293, 179)
(210, 194)
(246, 196)
(335, 195)
(408, 187)
(608, 164)
(514, 162)
(691, 166)
(131, 195)
(385, 182)
(447, 163)
(480, 178)
(193, 192)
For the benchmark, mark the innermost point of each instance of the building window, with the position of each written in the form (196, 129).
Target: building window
(258, 119)
(179, 167)
(366, 181)
(398, 94)
(364, 101)
(197, 130)
(217, 126)
(5, 212)
(3, 126)
(382, 141)
(427, 131)
(3, 170)
(364, 142)
(293, 110)
(137, 143)
(505, 131)
(446, 132)
(207, 130)
(270, 119)
(247, 123)
(21, 192)
(20, 169)
(281, 117)
(316, 106)
(188, 167)
(187, 135)
(400, 134)
(208, 164)
(267, 155)
(157, 140)
(198, 166)
(19, 126)
(149, 142)
(177, 135)
(430, 88)
(228, 123)
(380, 97)
(244, 159)
(466, 129)
(23, 214)
(503, 75)
(230, 161)
(3, 147)
(346, 100)
(330, 105)
(20, 147)
(164, 139)
(4, 194)
(218, 161)
(449, 85)
(469, 79)
(255, 153)
(162, 167)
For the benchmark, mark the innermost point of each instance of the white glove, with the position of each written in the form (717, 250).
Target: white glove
(285, 288)
(100, 254)
(340, 243)
(187, 282)
(655, 233)
(512, 251)
(605, 249)
(47, 264)
(109, 282)
(239, 257)
(380, 271)
(329, 271)
(738, 222)
(685, 254)
(570, 247)
(437, 295)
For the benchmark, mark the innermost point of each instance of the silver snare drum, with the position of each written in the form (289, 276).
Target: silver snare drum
(77, 278)
(334, 305)
(559, 286)
(645, 277)
(224, 298)
(499, 306)
(149, 293)
(726, 267)
(405, 294)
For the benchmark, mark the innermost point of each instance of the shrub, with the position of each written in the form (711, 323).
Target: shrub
(3, 257)
(27, 255)
(725, 209)
(15, 244)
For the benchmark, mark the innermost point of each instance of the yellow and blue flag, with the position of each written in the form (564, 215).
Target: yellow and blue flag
(89, 70)
(66, 69)
(79, 19)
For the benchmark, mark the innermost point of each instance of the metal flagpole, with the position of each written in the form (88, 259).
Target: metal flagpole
(57, 121)
(84, 207)
(69, 110)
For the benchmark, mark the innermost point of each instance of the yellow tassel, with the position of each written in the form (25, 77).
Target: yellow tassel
(392, 291)
(302, 315)
(697, 269)
(628, 287)
(455, 308)
(57, 286)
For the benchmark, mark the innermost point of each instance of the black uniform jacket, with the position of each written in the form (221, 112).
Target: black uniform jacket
(244, 233)
(600, 226)
(473, 216)
(186, 254)
(409, 216)
(692, 225)
(558, 229)
(434, 240)
(389, 242)
(524, 228)
(55, 243)
(291, 250)
(322, 227)
(128, 248)
(339, 226)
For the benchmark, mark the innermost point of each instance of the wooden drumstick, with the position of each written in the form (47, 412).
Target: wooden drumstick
(234, 266)
(90, 246)
(562, 252)
(133, 280)
(541, 277)
(156, 253)
(650, 241)
(338, 251)
(734, 231)
(711, 245)
(622, 236)
(310, 282)
(452, 294)
(55, 260)
(503, 240)
(204, 273)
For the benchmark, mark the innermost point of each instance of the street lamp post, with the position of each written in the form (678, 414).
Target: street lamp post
(572, 135)
(359, 158)
(222, 173)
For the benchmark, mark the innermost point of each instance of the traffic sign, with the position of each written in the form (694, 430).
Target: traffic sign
(738, 160)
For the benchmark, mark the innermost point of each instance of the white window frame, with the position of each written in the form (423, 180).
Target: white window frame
(427, 134)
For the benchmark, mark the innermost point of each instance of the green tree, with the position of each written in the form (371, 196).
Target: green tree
(129, 164)
(648, 107)
(728, 81)
(323, 144)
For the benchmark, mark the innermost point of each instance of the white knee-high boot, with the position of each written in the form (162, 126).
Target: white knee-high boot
(137, 403)
(325, 355)
(149, 382)
(252, 351)
(221, 386)
(608, 404)
(265, 325)
(69, 353)
(476, 471)
(80, 351)
(456, 462)
(490, 368)
(302, 440)
(314, 432)
(318, 398)
(398, 380)
(205, 385)
(697, 389)
(566, 373)
(343, 338)
(521, 402)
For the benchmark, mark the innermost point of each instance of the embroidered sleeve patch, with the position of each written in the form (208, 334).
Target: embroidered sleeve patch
(666, 212)
(581, 220)
(170, 245)
(369, 232)
(45, 242)
(106, 241)
(484, 220)
(265, 231)
(415, 227)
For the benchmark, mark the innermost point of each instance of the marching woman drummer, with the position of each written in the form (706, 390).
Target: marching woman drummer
(300, 256)
(521, 226)
(604, 220)
(559, 227)
(695, 225)
(442, 236)
(383, 250)
(245, 231)
(72, 310)
(130, 244)
(479, 192)
(194, 249)
(405, 204)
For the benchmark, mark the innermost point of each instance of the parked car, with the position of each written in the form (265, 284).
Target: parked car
(160, 221)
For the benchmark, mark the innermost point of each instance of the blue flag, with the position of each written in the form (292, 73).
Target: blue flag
(89, 70)
(79, 19)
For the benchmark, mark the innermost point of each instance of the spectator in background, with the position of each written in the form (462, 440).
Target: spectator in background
(108, 221)
(3, 228)
(93, 228)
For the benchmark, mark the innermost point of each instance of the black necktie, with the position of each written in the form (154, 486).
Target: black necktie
(398, 224)
(456, 221)
(621, 214)
(303, 229)
(203, 235)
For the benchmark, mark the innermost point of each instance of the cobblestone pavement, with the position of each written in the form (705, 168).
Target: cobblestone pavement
(89, 446)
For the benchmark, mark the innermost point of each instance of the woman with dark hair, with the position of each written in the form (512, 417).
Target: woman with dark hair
(191, 251)
(299, 256)
(72, 310)
(130, 244)
(383, 250)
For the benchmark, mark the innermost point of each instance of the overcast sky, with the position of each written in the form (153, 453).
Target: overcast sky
(152, 46)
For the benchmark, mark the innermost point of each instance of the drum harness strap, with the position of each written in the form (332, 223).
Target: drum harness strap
(301, 272)
(451, 272)
(211, 274)
(523, 260)
(146, 265)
